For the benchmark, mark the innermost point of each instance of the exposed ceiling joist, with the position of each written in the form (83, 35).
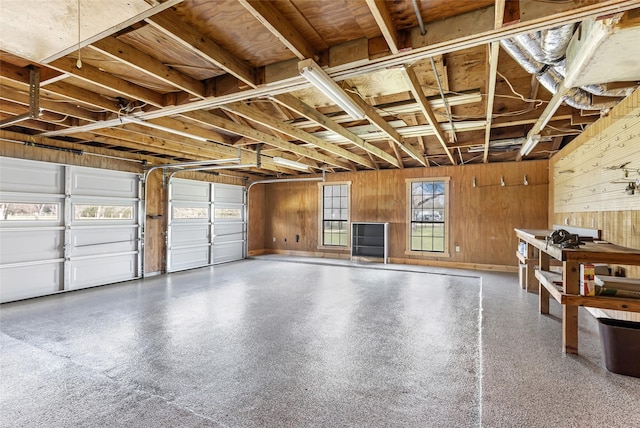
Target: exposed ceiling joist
(421, 99)
(172, 26)
(383, 126)
(314, 115)
(382, 16)
(270, 17)
(228, 125)
(124, 53)
(62, 108)
(253, 114)
(494, 51)
(95, 76)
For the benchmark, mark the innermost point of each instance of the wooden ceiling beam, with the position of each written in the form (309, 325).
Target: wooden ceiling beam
(194, 150)
(45, 104)
(115, 49)
(493, 51)
(425, 107)
(314, 115)
(382, 16)
(279, 26)
(18, 77)
(171, 25)
(192, 129)
(377, 121)
(230, 126)
(258, 116)
(95, 76)
(137, 141)
(29, 139)
(81, 96)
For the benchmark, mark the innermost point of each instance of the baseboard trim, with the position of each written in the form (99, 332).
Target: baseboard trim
(399, 260)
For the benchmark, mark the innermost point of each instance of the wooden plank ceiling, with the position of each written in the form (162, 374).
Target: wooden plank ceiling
(202, 80)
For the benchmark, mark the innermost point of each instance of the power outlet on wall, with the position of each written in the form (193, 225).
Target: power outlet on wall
(457, 248)
(274, 239)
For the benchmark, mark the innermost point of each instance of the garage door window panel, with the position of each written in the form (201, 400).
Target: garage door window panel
(29, 211)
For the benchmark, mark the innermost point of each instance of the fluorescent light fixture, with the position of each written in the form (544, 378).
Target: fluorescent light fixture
(321, 80)
(505, 144)
(291, 164)
(532, 141)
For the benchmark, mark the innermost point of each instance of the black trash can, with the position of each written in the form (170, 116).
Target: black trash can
(621, 345)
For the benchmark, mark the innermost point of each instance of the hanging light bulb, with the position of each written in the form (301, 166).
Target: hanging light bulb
(79, 62)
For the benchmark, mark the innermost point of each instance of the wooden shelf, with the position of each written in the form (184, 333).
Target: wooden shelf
(549, 281)
(525, 260)
(370, 240)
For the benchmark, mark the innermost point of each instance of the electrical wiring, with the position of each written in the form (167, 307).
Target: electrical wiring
(519, 97)
(522, 97)
(58, 121)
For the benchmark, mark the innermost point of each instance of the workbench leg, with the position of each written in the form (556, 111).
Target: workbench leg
(571, 285)
(531, 278)
(543, 264)
(543, 302)
(570, 329)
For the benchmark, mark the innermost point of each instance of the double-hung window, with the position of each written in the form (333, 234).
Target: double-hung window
(334, 222)
(428, 215)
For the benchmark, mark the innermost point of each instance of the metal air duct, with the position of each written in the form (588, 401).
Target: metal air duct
(542, 54)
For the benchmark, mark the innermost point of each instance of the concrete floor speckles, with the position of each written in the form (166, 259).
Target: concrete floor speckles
(272, 342)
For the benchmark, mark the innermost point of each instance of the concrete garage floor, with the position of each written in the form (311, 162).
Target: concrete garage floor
(304, 343)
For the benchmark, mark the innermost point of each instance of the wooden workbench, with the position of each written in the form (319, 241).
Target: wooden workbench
(565, 287)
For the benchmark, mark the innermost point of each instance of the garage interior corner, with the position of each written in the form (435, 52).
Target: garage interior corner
(273, 342)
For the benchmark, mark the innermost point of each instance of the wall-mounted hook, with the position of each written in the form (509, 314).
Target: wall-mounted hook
(630, 189)
(502, 180)
(526, 183)
(474, 181)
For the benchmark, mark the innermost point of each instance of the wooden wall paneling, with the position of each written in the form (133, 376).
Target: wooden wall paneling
(154, 239)
(258, 238)
(583, 194)
(364, 196)
(293, 209)
(482, 219)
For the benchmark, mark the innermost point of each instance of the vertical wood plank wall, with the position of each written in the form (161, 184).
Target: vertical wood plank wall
(588, 187)
(482, 218)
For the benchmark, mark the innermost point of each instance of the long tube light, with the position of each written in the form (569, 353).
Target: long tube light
(321, 80)
(532, 141)
(291, 163)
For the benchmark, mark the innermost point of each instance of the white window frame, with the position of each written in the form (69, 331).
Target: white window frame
(409, 219)
(321, 187)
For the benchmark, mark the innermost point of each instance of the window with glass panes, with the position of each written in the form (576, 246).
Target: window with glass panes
(335, 214)
(428, 216)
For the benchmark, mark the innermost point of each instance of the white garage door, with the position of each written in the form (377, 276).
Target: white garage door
(206, 224)
(65, 227)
